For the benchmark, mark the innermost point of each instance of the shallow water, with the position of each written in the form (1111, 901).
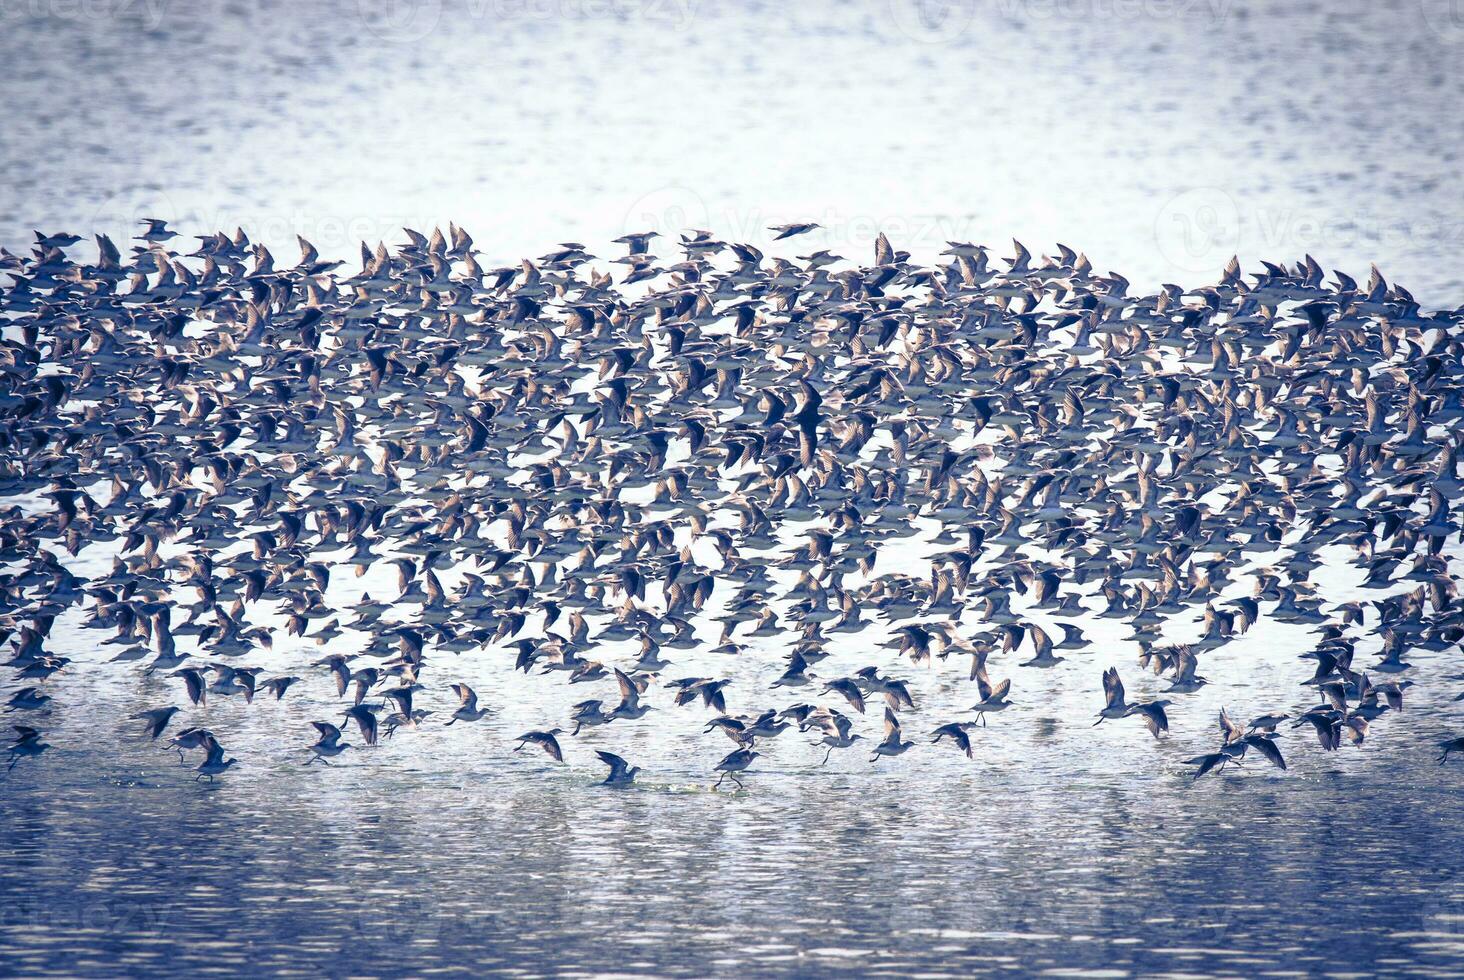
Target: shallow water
(1059, 847)
(1159, 139)
(909, 873)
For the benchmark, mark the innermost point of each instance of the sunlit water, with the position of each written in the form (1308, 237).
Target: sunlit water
(1060, 847)
(1160, 136)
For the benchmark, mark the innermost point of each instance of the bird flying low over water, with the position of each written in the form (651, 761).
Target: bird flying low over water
(27, 743)
(328, 745)
(695, 474)
(548, 741)
(1235, 743)
(621, 772)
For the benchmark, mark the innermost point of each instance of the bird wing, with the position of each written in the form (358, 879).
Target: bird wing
(1207, 762)
(1155, 718)
(1229, 730)
(629, 693)
(1268, 748)
(617, 765)
(892, 726)
(1112, 687)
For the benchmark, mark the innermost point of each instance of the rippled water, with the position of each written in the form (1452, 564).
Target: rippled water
(1159, 140)
(1158, 135)
(409, 869)
(1059, 847)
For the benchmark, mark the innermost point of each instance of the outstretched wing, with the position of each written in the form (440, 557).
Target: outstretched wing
(1268, 748)
(1229, 730)
(629, 693)
(1112, 687)
(617, 765)
(328, 732)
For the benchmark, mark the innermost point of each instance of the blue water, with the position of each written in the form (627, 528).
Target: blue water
(351, 872)
(1159, 140)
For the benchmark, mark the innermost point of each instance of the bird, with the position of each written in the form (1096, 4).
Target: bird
(630, 694)
(789, 230)
(992, 698)
(956, 732)
(278, 686)
(157, 719)
(621, 773)
(892, 745)
(1235, 742)
(1156, 719)
(28, 699)
(214, 764)
(1450, 745)
(468, 709)
(364, 715)
(835, 460)
(545, 740)
(329, 745)
(193, 680)
(1114, 704)
(735, 762)
(27, 743)
(838, 734)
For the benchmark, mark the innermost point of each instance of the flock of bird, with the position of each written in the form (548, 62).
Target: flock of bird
(596, 457)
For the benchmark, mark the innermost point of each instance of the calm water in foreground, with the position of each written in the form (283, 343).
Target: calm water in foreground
(907, 873)
(1060, 847)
